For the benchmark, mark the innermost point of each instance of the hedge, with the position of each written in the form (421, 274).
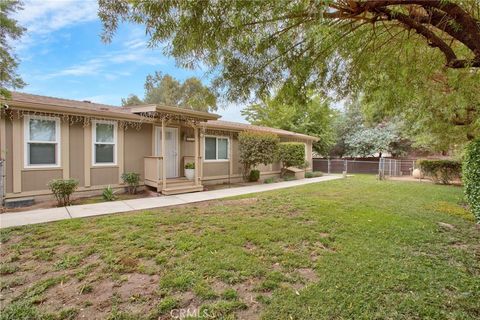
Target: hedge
(441, 171)
(292, 154)
(257, 148)
(471, 177)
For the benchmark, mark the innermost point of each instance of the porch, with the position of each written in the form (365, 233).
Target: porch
(176, 141)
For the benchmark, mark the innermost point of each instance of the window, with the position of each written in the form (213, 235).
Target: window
(216, 148)
(42, 141)
(104, 142)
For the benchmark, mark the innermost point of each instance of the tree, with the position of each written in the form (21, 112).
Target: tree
(132, 100)
(312, 115)
(357, 137)
(165, 89)
(10, 30)
(381, 49)
(257, 148)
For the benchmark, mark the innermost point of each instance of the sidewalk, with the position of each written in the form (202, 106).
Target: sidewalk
(88, 210)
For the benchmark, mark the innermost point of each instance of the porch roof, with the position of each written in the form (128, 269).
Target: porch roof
(149, 108)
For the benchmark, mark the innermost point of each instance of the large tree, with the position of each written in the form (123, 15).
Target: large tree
(165, 89)
(343, 47)
(10, 30)
(312, 116)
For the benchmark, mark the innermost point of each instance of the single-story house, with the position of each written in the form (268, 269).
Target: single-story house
(45, 138)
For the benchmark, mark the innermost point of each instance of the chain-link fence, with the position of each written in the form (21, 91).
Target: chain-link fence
(389, 167)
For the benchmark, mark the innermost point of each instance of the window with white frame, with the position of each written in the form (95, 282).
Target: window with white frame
(216, 148)
(104, 142)
(42, 141)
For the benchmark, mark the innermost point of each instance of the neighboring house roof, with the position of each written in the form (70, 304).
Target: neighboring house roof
(51, 104)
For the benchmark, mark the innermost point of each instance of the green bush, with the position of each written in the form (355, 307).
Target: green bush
(270, 180)
(292, 154)
(132, 179)
(190, 165)
(108, 194)
(313, 174)
(471, 177)
(256, 148)
(254, 176)
(441, 171)
(62, 189)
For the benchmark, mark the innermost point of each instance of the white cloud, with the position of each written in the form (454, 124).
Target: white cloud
(46, 16)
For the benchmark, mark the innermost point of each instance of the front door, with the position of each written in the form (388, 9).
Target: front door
(171, 150)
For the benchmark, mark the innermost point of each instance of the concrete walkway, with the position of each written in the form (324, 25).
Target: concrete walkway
(88, 210)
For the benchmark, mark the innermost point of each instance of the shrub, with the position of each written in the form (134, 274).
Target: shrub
(441, 171)
(190, 165)
(269, 180)
(254, 176)
(108, 194)
(471, 177)
(131, 179)
(256, 148)
(292, 154)
(313, 174)
(62, 189)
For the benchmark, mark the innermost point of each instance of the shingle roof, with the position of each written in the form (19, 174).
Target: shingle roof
(220, 124)
(79, 106)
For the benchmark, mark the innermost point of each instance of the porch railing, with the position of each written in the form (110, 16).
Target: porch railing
(153, 170)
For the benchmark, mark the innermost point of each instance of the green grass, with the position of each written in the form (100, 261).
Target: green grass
(346, 249)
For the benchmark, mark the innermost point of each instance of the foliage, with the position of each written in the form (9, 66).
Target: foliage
(314, 174)
(270, 180)
(108, 194)
(256, 148)
(471, 177)
(10, 31)
(165, 89)
(132, 179)
(190, 165)
(254, 175)
(356, 137)
(62, 189)
(441, 171)
(291, 154)
(310, 115)
(407, 59)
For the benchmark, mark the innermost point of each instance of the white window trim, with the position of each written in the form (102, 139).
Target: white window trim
(216, 149)
(94, 142)
(26, 141)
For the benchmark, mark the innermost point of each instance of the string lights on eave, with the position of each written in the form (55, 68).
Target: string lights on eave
(85, 120)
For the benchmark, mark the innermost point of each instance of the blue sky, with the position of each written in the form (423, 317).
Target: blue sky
(61, 55)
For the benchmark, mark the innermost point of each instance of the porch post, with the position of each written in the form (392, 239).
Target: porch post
(197, 168)
(164, 179)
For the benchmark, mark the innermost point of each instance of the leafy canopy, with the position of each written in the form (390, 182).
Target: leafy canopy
(165, 89)
(9, 30)
(416, 59)
(312, 116)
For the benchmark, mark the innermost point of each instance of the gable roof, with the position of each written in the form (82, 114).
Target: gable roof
(51, 104)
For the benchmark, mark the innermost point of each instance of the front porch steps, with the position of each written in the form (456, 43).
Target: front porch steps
(182, 189)
(179, 185)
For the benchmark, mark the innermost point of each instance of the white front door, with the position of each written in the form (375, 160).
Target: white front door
(171, 150)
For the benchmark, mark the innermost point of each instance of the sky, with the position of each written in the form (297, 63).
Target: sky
(61, 55)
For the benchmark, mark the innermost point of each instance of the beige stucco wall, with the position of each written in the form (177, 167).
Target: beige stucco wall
(138, 144)
(9, 155)
(36, 180)
(101, 176)
(76, 150)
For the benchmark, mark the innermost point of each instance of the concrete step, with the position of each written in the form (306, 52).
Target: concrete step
(181, 189)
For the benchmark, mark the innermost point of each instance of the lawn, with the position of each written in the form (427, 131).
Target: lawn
(345, 249)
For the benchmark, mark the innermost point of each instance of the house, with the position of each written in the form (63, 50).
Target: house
(44, 138)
